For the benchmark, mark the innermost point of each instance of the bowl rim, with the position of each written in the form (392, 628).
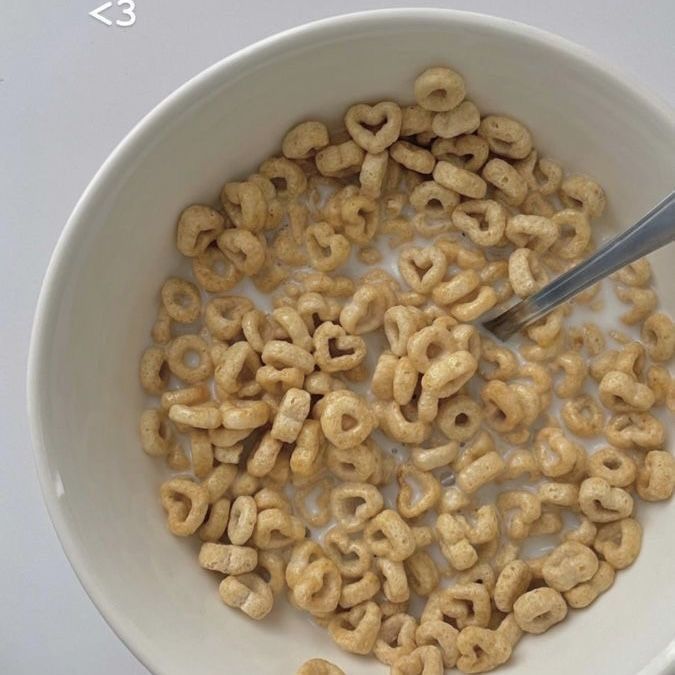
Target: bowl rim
(170, 107)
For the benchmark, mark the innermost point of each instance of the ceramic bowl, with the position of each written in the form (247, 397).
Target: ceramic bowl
(99, 299)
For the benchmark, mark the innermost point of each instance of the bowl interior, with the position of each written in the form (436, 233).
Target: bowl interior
(101, 297)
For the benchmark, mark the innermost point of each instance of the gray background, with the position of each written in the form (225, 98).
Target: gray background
(70, 89)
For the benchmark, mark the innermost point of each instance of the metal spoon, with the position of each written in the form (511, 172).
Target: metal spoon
(651, 232)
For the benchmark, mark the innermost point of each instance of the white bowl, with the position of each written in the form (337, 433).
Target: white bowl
(100, 295)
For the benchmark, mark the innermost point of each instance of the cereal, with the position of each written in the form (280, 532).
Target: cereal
(583, 193)
(568, 565)
(656, 478)
(481, 649)
(603, 503)
(198, 226)
(483, 220)
(370, 404)
(319, 667)
(249, 593)
(455, 149)
(460, 180)
(536, 611)
(304, 140)
(385, 115)
(357, 629)
(439, 89)
(619, 543)
(511, 187)
(185, 503)
(506, 136)
(464, 119)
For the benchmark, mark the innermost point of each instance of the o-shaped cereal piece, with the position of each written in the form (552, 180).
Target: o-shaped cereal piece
(445, 378)
(319, 667)
(227, 558)
(568, 565)
(249, 593)
(433, 200)
(526, 273)
(280, 354)
(513, 581)
(373, 173)
(318, 591)
(511, 187)
(536, 611)
(197, 416)
(181, 300)
(439, 89)
(583, 193)
(602, 503)
(214, 272)
(480, 472)
(616, 467)
(153, 371)
(346, 419)
(583, 416)
(460, 180)
(244, 414)
(635, 429)
(275, 529)
(459, 418)
(584, 594)
(415, 120)
(156, 435)
(304, 140)
(506, 136)
(621, 393)
(535, 232)
(656, 479)
(293, 411)
(503, 410)
(288, 178)
(243, 516)
(412, 157)
(198, 226)
(245, 205)
(338, 161)
(619, 543)
(186, 347)
(464, 119)
(575, 233)
(456, 149)
(658, 334)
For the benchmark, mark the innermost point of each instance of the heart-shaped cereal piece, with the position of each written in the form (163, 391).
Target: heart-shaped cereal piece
(376, 127)
(422, 268)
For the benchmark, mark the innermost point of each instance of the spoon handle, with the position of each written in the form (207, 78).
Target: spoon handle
(651, 232)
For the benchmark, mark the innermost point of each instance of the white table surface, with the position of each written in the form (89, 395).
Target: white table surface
(70, 89)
